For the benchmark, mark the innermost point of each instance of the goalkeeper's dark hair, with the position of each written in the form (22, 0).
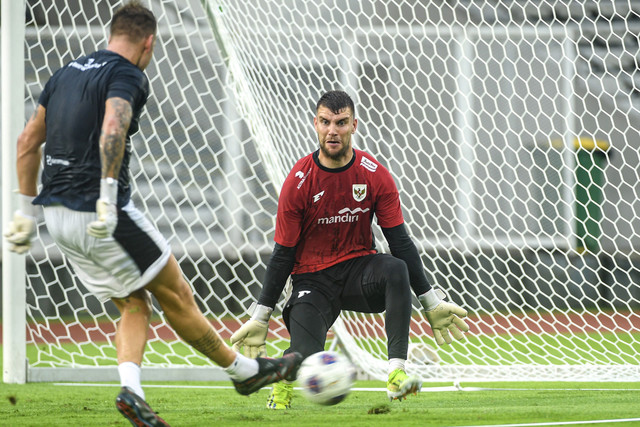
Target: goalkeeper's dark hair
(133, 20)
(336, 100)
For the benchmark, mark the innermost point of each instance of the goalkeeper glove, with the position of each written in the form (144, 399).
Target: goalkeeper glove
(106, 209)
(444, 317)
(252, 335)
(23, 226)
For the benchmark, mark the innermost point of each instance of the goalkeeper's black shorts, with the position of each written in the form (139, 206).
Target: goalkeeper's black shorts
(367, 284)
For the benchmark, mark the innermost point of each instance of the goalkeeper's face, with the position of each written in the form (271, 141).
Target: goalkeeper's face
(334, 135)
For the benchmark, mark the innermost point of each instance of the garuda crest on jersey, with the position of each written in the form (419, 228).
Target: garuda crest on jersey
(359, 192)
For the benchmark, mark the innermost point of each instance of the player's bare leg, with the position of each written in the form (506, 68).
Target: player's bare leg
(131, 338)
(179, 306)
(131, 334)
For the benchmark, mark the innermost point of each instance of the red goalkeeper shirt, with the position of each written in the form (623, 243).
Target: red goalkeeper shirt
(327, 213)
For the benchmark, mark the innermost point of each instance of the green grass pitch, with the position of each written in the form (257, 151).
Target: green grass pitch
(216, 404)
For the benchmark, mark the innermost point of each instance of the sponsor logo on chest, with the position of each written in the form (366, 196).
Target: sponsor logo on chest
(345, 215)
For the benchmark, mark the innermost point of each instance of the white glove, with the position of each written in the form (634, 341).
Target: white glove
(23, 226)
(444, 317)
(252, 335)
(20, 232)
(106, 210)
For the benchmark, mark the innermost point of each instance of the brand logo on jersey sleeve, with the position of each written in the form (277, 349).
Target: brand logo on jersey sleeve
(368, 164)
(359, 192)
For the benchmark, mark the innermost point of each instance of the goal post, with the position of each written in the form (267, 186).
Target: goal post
(489, 116)
(13, 266)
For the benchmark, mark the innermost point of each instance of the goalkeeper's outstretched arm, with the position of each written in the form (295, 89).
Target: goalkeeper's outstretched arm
(401, 246)
(279, 268)
(251, 336)
(445, 318)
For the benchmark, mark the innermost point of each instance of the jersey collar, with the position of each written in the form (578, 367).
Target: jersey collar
(316, 159)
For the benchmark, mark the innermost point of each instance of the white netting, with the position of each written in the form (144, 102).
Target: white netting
(511, 128)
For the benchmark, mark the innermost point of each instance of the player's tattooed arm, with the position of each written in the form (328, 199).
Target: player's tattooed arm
(117, 118)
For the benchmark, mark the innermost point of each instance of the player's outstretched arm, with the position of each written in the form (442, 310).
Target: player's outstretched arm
(23, 226)
(445, 318)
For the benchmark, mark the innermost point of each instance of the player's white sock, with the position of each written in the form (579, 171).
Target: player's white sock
(130, 377)
(396, 364)
(242, 368)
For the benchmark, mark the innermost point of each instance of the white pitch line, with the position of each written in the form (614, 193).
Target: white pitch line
(228, 387)
(559, 423)
(424, 389)
(145, 385)
(544, 389)
(219, 387)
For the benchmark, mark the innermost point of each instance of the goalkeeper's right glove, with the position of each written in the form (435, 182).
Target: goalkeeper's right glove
(23, 226)
(252, 335)
(106, 209)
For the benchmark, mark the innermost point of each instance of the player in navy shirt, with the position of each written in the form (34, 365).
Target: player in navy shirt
(86, 114)
(324, 240)
(74, 100)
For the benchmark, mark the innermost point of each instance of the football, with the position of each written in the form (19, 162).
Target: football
(326, 377)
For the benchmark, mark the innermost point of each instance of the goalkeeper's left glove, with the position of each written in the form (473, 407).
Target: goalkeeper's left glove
(23, 226)
(444, 317)
(106, 209)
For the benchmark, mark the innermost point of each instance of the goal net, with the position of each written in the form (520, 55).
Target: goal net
(511, 129)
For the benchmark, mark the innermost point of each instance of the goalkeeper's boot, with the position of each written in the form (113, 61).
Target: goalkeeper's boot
(269, 372)
(136, 410)
(400, 385)
(280, 397)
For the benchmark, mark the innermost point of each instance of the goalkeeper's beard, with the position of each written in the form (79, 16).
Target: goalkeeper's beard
(336, 155)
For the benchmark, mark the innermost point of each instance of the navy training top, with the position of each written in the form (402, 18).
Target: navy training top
(74, 98)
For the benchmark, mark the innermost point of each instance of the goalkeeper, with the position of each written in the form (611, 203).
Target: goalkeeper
(86, 114)
(324, 240)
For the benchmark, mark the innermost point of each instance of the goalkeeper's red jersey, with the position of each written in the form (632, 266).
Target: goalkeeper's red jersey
(327, 213)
